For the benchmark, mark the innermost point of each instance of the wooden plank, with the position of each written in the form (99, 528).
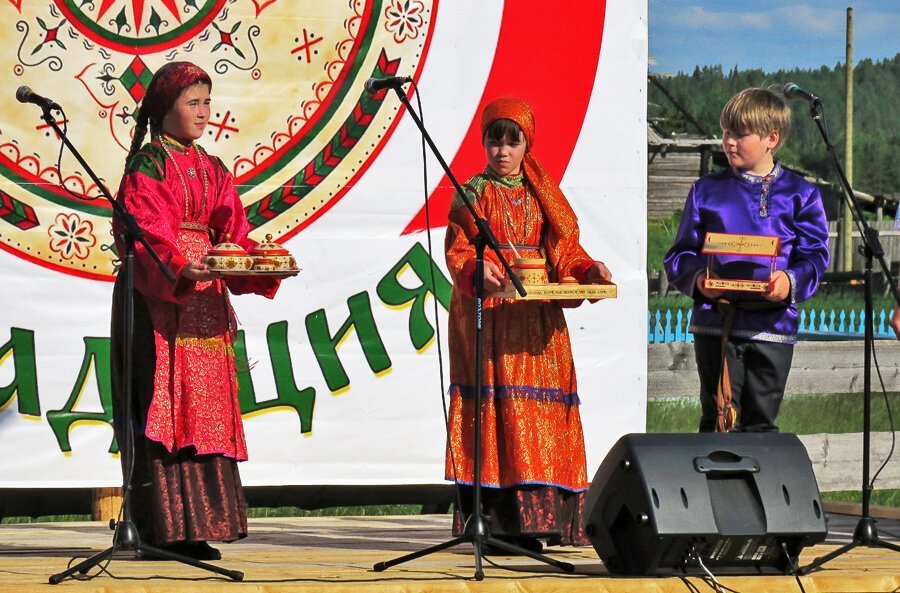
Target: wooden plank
(837, 460)
(679, 165)
(336, 555)
(670, 179)
(817, 367)
(692, 144)
(671, 370)
(837, 367)
(675, 201)
(667, 194)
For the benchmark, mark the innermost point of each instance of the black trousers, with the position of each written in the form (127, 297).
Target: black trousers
(758, 371)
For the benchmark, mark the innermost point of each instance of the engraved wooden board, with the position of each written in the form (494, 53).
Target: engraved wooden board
(560, 291)
(729, 244)
(741, 285)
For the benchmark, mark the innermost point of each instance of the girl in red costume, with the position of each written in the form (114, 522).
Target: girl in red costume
(185, 412)
(533, 458)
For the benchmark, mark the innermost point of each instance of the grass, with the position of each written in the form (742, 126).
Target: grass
(886, 498)
(352, 511)
(262, 512)
(660, 235)
(43, 519)
(801, 414)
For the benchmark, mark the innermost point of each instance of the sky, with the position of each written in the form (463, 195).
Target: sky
(768, 34)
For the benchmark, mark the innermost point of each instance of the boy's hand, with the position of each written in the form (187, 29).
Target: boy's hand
(710, 293)
(895, 321)
(781, 287)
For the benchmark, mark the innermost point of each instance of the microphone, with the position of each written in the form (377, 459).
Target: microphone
(26, 95)
(373, 85)
(792, 91)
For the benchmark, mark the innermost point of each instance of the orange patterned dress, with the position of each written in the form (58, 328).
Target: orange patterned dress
(533, 457)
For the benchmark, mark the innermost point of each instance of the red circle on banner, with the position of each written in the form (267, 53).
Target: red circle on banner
(557, 82)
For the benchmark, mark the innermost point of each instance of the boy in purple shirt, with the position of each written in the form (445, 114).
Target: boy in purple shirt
(744, 341)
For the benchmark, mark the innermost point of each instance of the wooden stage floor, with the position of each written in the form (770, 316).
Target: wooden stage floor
(336, 554)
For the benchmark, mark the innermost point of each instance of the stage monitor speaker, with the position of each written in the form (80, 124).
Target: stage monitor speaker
(734, 503)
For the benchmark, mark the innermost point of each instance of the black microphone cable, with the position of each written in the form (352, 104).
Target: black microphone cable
(437, 323)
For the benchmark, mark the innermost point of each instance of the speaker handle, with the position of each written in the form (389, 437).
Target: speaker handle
(725, 462)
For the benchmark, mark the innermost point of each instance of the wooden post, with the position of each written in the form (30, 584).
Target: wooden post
(846, 234)
(663, 283)
(105, 503)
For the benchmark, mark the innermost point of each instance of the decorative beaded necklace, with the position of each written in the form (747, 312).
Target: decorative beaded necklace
(510, 225)
(165, 142)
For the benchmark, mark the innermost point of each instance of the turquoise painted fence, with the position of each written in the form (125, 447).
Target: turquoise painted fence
(672, 326)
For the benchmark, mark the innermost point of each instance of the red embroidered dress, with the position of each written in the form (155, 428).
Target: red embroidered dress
(184, 201)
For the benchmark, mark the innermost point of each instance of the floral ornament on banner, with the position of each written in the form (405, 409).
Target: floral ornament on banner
(404, 19)
(289, 115)
(71, 237)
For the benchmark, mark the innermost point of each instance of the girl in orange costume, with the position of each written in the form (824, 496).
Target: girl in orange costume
(533, 459)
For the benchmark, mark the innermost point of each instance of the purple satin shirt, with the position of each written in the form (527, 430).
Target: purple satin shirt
(781, 204)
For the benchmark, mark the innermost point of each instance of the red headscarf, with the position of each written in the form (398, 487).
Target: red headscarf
(556, 208)
(166, 86)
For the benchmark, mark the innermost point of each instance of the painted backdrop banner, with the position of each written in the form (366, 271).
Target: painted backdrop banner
(344, 377)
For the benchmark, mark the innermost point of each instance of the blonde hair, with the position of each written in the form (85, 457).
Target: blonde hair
(759, 111)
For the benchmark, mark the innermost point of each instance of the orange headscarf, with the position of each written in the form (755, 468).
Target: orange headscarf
(512, 109)
(556, 208)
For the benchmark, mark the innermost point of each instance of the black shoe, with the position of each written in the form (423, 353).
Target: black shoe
(147, 555)
(202, 551)
(532, 544)
(196, 550)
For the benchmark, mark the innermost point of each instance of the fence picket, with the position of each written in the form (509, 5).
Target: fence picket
(670, 326)
(679, 332)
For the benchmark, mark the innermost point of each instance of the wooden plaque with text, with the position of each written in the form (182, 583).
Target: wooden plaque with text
(749, 245)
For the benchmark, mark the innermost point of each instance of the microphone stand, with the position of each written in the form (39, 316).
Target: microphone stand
(125, 534)
(865, 534)
(477, 530)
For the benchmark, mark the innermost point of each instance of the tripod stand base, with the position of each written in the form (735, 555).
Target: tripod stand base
(865, 534)
(478, 534)
(126, 539)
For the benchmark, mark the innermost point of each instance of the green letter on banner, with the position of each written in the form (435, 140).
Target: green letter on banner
(393, 293)
(21, 347)
(246, 392)
(288, 395)
(96, 358)
(325, 345)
